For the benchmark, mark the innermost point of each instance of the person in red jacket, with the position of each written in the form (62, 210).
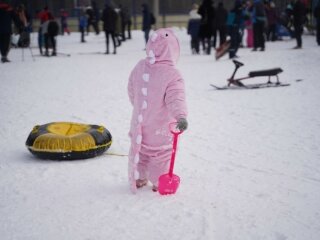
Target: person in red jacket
(44, 17)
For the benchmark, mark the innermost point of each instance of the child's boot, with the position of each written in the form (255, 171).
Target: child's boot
(141, 183)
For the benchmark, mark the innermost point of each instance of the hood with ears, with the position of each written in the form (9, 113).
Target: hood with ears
(163, 47)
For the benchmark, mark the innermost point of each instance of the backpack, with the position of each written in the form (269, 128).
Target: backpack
(53, 28)
(24, 39)
(152, 19)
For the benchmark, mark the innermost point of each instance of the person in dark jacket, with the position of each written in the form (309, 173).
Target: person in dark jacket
(272, 20)
(207, 13)
(221, 22)
(299, 13)
(92, 21)
(193, 28)
(126, 22)
(50, 30)
(7, 17)
(233, 22)
(109, 18)
(97, 17)
(259, 21)
(146, 21)
(316, 14)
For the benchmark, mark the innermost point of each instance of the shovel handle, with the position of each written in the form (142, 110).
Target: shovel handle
(174, 146)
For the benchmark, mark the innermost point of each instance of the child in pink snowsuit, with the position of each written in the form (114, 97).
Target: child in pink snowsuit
(157, 94)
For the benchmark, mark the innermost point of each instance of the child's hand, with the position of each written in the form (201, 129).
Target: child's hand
(182, 124)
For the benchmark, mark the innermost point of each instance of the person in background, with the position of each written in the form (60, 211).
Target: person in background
(24, 26)
(146, 21)
(233, 22)
(64, 22)
(272, 20)
(207, 13)
(50, 31)
(316, 14)
(43, 17)
(96, 13)
(83, 22)
(109, 18)
(221, 22)
(7, 17)
(23, 17)
(193, 28)
(248, 24)
(126, 22)
(259, 21)
(118, 27)
(298, 13)
(92, 21)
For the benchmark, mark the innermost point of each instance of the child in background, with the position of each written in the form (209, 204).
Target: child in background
(157, 94)
(83, 22)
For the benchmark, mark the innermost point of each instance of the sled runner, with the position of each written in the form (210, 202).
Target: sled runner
(236, 83)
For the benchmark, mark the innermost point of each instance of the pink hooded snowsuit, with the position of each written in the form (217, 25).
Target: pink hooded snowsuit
(156, 91)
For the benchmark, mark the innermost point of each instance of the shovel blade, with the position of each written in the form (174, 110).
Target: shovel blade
(168, 184)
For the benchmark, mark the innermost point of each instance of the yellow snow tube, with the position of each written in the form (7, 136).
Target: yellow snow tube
(68, 141)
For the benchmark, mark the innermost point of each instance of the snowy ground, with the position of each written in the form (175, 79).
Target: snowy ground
(249, 162)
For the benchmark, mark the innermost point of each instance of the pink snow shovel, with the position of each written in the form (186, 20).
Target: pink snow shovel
(169, 183)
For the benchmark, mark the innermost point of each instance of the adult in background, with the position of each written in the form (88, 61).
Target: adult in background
(24, 26)
(298, 12)
(221, 22)
(233, 22)
(50, 31)
(92, 21)
(272, 20)
(64, 22)
(109, 18)
(44, 17)
(193, 28)
(316, 14)
(96, 13)
(147, 21)
(126, 22)
(83, 22)
(207, 13)
(259, 21)
(7, 17)
(248, 23)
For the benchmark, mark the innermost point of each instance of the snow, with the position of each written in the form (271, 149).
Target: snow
(249, 162)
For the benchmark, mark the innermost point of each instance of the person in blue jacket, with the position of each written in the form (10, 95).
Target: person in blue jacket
(233, 23)
(194, 27)
(83, 23)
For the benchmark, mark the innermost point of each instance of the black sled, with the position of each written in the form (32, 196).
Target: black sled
(236, 83)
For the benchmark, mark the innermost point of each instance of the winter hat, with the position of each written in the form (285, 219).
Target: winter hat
(194, 14)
